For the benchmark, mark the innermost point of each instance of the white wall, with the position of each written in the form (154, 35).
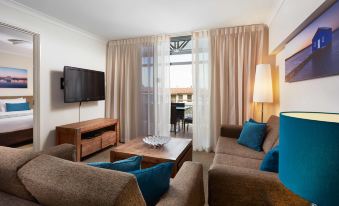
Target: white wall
(60, 45)
(310, 95)
(21, 62)
(289, 17)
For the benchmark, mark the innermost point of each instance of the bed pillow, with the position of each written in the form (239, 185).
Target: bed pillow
(4, 101)
(154, 181)
(13, 107)
(126, 165)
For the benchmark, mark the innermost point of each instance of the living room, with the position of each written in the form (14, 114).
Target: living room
(169, 102)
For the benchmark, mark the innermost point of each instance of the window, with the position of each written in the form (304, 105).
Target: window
(181, 45)
(180, 98)
(189, 98)
(181, 66)
(173, 98)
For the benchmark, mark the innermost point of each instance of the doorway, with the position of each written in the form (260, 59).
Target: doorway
(19, 77)
(181, 86)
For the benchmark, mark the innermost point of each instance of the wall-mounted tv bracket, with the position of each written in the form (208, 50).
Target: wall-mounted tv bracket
(62, 83)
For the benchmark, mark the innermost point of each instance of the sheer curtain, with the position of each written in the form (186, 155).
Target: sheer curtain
(162, 97)
(201, 91)
(137, 87)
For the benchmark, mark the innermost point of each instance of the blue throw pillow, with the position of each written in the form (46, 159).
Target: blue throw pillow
(154, 181)
(13, 107)
(253, 121)
(126, 165)
(252, 135)
(271, 161)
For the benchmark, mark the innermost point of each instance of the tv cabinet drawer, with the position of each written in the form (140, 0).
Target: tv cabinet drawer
(90, 146)
(108, 138)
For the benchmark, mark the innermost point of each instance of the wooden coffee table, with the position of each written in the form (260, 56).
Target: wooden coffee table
(177, 150)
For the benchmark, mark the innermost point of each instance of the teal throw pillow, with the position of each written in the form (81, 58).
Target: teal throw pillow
(13, 107)
(126, 165)
(252, 135)
(271, 161)
(154, 181)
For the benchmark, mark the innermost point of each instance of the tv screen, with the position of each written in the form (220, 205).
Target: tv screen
(83, 85)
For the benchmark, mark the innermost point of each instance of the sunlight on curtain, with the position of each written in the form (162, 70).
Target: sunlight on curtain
(236, 51)
(162, 99)
(201, 91)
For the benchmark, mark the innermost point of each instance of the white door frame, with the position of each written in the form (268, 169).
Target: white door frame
(36, 83)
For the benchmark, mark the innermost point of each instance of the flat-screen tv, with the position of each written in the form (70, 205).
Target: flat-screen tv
(81, 85)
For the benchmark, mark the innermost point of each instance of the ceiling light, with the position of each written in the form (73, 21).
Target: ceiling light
(17, 41)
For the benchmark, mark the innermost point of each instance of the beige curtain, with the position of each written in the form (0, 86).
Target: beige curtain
(131, 86)
(235, 52)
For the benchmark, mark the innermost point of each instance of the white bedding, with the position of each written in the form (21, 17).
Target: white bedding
(14, 121)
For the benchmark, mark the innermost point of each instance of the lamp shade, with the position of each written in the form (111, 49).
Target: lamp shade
(309, 155)
(263, 91)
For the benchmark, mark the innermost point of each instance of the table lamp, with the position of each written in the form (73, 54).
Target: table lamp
(263, 92)
(309, 156)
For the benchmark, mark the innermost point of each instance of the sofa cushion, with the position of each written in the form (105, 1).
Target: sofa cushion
(233, 160)
(230, 146)
(11, 160)
(276, 143)
(11, 200)
(271, 161)
(272, 133)
(239, 186)
(63, 151)
(252, 135)
(154, 181)
(187, 188)
(53, 181)
(125, 165)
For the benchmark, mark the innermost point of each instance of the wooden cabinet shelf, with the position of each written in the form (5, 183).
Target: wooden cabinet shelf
(89, 136)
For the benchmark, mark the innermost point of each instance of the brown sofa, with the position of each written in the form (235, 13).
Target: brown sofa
(50, 178)
(235, 179)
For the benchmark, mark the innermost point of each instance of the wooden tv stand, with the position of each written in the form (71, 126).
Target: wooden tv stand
(89, 136)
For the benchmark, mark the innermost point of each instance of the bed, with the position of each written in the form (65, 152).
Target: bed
(16, 127)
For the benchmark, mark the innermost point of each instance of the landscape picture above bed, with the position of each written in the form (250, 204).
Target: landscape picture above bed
(13, 78)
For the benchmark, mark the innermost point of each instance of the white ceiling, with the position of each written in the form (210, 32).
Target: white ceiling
(115, 19)
(25, 48)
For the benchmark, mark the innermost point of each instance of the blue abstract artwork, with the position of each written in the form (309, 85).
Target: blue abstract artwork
(319, 55)
(13, 78)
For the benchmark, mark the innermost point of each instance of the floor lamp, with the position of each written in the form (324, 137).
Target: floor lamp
(263, 92)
